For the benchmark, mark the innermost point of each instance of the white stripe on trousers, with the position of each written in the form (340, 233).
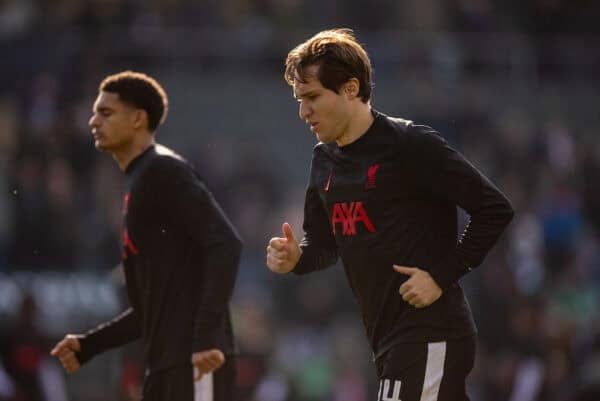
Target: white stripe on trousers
(434, 371)
(203, 389)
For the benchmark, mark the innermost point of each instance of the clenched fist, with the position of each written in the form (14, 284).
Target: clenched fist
(65, 352)
(207, 361)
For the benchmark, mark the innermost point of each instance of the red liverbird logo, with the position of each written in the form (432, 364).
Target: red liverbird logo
(371, 176)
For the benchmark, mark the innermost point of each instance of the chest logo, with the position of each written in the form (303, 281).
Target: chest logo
(326, 187)
(371, 176)
(126, 203)
(127, 243)
(348, 214)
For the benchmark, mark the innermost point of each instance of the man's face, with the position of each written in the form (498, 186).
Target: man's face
(325, 111)
(113, 123)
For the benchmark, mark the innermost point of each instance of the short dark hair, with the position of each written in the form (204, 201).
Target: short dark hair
(339, 58)
(140, 91)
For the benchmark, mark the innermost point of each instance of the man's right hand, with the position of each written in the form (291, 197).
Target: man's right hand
(65, 352)
(283, 253)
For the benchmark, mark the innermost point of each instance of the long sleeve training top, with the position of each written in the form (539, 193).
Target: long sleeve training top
(180, 257)
(390, 198)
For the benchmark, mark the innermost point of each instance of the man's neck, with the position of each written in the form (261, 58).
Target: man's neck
(358, 125)
(124, 156)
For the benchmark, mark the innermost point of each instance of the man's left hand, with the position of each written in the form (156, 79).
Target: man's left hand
(420, 290)
(207, 361)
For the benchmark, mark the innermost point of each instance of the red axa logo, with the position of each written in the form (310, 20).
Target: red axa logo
(371, 176)
(349, 214)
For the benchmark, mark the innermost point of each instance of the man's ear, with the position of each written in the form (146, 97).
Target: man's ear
(351, 88)
(140, 118)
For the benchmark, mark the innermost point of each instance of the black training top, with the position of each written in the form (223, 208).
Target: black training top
(180, 256)
(390, 198)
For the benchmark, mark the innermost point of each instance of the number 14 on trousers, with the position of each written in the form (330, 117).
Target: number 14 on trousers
(384, 390)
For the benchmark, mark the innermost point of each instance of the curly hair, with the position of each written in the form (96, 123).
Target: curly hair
(140, 91)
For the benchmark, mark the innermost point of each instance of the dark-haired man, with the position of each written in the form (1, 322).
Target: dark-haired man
(382, 195)
(180, 255)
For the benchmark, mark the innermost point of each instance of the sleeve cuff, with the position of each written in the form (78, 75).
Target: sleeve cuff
(448, 271)
(210, 340)
(302, 267)
(87, 351)
(208, 333)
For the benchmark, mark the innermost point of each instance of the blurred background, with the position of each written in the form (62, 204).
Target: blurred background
(514, 85)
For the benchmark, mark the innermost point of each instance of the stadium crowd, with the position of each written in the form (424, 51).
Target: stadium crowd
(514, 85)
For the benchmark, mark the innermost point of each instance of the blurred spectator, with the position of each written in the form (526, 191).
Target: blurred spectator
(30, 214)
(561, 222)
(33, 375)
(8, 146)
(16, 17)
